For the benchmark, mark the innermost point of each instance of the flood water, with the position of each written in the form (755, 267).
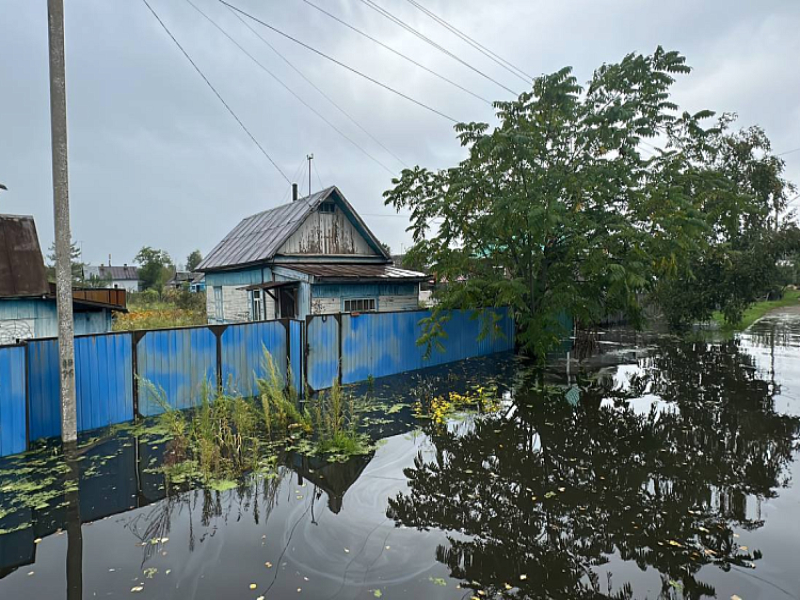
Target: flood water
(655, 468)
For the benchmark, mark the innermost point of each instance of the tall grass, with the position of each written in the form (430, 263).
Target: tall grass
(227, 435)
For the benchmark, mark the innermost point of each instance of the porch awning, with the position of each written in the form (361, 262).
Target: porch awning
(268, 285)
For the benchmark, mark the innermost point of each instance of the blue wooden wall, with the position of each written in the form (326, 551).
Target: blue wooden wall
(13, 426)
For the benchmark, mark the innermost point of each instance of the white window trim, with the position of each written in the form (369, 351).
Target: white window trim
(219, 306)
(349, 305)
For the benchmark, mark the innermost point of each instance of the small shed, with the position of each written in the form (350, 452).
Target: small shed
(314, 255)
(28, 300)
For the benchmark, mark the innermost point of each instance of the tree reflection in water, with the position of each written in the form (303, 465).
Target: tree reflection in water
(537, 499)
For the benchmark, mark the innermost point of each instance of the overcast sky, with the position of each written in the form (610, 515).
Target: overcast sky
(155, 159)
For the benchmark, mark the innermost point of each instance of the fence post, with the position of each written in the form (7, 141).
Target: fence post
(136, 336)
(306, 351)
(218, 330)
(339, 362)
(27, 398)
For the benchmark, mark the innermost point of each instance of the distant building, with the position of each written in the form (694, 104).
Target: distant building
(312, 256)
(114, 277)
(186, 280)
(198, 284)
(27, 299)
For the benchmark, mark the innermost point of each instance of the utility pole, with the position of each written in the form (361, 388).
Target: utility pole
(309, 157)
(58, 129)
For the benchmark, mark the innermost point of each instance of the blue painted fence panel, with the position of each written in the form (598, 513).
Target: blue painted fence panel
(243, 354)
(104, 380)
(13, 421)
(322, 343)
(179, 363)
(296, 354)
(43, 389)
(381, 344)
(103, 383)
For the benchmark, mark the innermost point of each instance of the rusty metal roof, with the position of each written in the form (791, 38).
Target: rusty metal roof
(22, 271)
(341, 272)
(259, 237)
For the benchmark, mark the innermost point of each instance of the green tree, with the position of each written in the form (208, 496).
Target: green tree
(558, 209)
(736, 261)
(155, 268)
(194, 259)
(75, 256)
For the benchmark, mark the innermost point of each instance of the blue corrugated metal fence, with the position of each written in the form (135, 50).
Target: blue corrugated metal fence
(322, 350)
(13, 426)
(118, 375)
(243, 349)
(176, 366)
(381, 344)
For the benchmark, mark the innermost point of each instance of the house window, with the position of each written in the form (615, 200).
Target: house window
(219, 312)
(327, 207)
(359, 305)
(258, 303)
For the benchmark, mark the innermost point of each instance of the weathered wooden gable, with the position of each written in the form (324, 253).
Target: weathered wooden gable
(328, 230)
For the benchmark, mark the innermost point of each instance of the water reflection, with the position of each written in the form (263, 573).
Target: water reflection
(537, 500)
(633, 478)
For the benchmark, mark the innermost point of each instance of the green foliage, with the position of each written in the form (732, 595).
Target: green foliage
(559, 209)
(555, 209)
(155, 267)
(75, 257)
(194, 259)
(735, 260)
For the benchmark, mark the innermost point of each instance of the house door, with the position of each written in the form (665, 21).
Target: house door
(286, 301)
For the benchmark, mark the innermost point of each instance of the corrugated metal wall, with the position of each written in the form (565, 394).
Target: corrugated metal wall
(243, 348)
(322, 351)
(103, 383)
(104, 380)
(179, 363)
(182, 362)
(13, 421)
(43, 389)
(381, 344)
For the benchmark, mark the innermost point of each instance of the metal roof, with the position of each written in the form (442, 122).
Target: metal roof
(22, 271)
(355, 272)
(259, 237)
(115, 273)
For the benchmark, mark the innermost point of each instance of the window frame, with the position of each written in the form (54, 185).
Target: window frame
(219, 303)
(359, 305)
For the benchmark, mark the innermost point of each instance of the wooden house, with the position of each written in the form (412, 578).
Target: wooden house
(28, 300)
(314, 255)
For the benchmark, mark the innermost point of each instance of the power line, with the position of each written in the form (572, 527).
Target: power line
(788, 152)
(397, 52)
(475, 44)
(290, 90)
(341, 64)
(428, 40)
(322, 93)
(216, 93)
